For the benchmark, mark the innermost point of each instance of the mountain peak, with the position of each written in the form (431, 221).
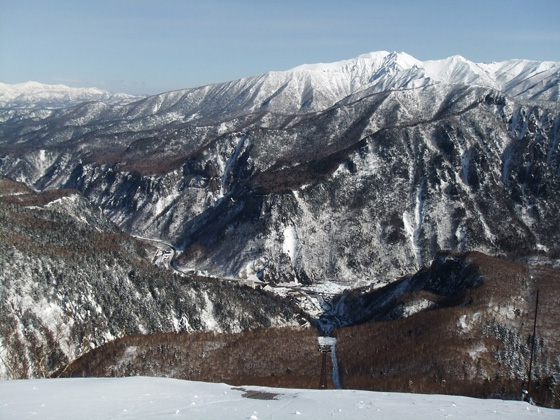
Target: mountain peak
(402, 59)
(375, 60)
(383, 70)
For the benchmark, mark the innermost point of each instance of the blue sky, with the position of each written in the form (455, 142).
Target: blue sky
(151, 46)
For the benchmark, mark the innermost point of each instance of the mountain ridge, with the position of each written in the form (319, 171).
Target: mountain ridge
(35, 94)
(375, 72)
(311, 88)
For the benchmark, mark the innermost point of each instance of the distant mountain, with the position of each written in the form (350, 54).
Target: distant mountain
(353, 172)
(381, 71)
(38, 95)
(307, 88)
(312, 88)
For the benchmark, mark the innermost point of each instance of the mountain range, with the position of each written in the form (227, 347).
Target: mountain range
(356, 172)
(34, 95)
(314, 87)
(325, 177)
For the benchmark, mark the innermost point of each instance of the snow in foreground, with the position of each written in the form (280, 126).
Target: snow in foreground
(158, 398)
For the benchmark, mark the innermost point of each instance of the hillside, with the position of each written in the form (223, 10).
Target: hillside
(434, 337)
(71, 281)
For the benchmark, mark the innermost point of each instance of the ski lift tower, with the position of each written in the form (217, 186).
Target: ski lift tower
(324, 346)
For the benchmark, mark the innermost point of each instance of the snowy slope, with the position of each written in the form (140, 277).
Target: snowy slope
(33, 94)
(316, 87)
(157, 398)
(309, 87)
(380, 71)
(528, 79)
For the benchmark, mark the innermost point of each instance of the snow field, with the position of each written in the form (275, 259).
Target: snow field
(160, 398)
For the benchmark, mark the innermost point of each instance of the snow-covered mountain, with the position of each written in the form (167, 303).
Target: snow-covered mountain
(312, 88)
(331, 175)
(357, 171)
(306, 88)
(39, 95)
(381, 71)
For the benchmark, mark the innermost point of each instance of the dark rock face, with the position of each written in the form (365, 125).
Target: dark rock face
(365, 190)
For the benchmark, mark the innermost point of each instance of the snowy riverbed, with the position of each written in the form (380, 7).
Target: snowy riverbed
(159, 398)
